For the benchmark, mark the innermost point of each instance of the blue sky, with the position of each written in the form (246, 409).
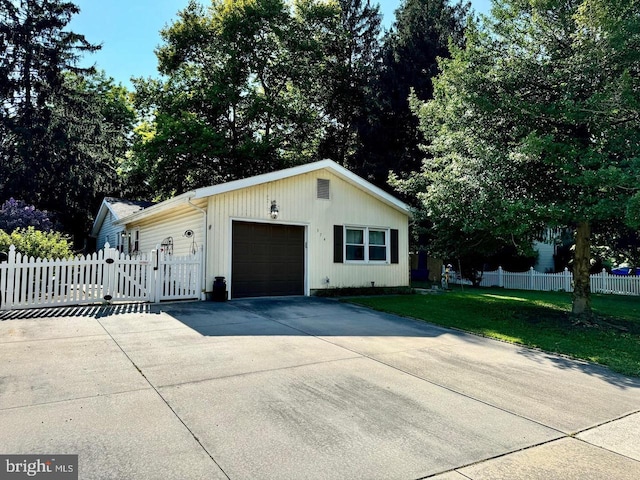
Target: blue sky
(129, 31)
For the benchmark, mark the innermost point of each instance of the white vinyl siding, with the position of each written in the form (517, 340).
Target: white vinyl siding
(172, 224)
(297, 202)
(108, 233)
(544, 262)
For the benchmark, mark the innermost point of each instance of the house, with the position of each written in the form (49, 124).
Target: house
(290, 232)
(105, 230)
(545, 259)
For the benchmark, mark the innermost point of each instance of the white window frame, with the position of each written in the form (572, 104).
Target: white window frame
(366, 230)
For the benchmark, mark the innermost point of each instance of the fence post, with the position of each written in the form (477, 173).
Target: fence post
(567, 280)
(159, 273)
(7, 281)
(500, 278)
(11, 276)
(202, 280)
(605, 282)
(531, 273)
(153, 273)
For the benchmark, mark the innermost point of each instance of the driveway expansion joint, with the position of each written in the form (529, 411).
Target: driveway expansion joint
(193, 435)
(608, 450)
(53, 339)
(606, 422)
(255, 372)
(494, 457)
(64, 400)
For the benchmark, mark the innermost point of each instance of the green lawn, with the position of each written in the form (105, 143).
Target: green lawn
(536, 319)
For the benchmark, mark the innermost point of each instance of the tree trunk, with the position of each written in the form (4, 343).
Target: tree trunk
(581, 265)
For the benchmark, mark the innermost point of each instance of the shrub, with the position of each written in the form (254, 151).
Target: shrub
(36, 243)
(16, 214)
(361, 291)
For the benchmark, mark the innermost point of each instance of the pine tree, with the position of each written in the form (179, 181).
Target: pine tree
(419, 36)
(58, 134)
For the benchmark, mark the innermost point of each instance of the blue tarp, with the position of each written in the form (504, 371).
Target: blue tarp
(625, 271)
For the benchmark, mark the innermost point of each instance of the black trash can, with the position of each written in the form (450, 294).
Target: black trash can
(219, 290)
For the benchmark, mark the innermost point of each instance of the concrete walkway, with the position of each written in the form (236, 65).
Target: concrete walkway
(302, 388)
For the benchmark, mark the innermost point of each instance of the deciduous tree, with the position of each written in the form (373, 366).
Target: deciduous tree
(238, 94)
(535, 123)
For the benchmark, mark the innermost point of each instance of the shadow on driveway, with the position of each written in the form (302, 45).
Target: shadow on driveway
(88, 311)
(330, 318)
(319, 317)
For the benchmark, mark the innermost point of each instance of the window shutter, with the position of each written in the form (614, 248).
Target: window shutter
(394, 246)
(338, 241)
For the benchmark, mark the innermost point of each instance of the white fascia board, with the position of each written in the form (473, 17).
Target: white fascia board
(258, 179)
(204, 192)
(157, 208)
(302, 169)
(369, 187)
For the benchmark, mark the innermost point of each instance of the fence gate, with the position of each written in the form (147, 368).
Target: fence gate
(177, 278)
(105, 276)
(127, 278)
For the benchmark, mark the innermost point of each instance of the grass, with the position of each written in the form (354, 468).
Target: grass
(534, 319)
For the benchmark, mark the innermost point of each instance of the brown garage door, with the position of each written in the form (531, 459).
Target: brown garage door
(267, 260)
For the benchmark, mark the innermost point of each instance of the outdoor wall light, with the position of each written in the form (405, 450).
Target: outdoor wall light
(274, 210)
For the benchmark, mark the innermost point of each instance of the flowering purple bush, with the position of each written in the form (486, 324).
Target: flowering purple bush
(16, 214)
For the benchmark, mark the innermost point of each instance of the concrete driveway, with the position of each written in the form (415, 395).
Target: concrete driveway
(302, 388)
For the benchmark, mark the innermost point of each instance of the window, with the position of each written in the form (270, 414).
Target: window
(362, 244)
(355, 244)
(377, 245)
(366, 245)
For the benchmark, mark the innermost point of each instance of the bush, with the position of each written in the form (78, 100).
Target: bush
(361, 291)
(16, 214)
(36, 243)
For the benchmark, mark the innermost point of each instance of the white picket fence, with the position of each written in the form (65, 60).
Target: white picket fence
(602, 282)
(105, 276)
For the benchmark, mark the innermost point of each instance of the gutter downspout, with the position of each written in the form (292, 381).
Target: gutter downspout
(204, 249)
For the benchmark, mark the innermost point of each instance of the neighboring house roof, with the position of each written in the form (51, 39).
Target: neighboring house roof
(338, 170)
(119, 208)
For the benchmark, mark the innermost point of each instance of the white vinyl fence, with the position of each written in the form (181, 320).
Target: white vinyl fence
(105, 276)
(602, 282)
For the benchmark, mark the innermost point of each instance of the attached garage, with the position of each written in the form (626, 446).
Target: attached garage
(267, 260)
(297, 231)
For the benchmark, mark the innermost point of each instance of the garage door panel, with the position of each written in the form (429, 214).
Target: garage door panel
(267, 260)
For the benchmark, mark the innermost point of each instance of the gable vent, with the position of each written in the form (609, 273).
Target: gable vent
(323, 188)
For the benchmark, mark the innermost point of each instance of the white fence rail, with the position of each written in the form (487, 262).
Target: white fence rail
(105, 276)
(602, 282)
